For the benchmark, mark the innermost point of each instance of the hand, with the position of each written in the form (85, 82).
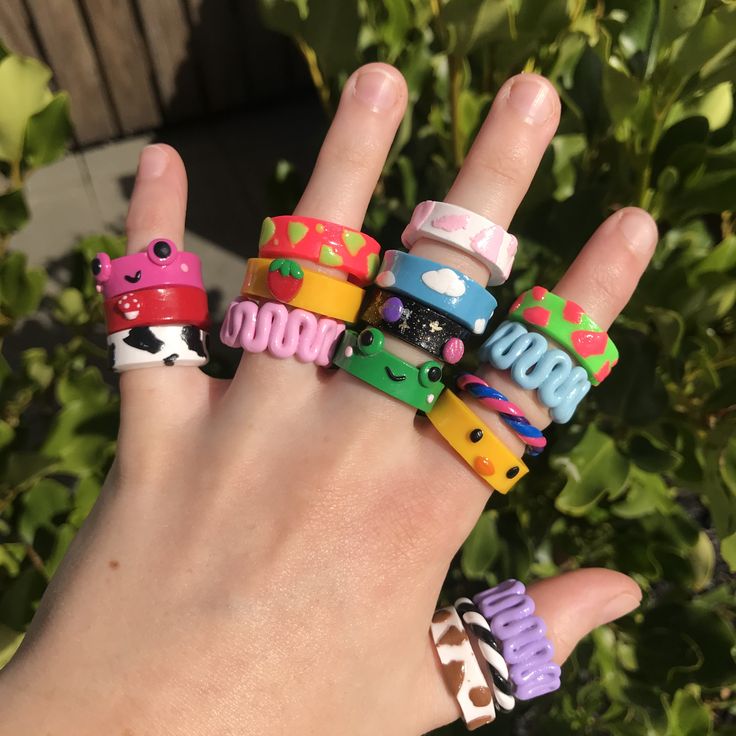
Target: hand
(267, 552)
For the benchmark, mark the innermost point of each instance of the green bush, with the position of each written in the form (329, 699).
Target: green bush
(643, 480)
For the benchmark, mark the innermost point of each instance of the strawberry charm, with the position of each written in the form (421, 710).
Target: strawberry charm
(285, 279)
(129, 306)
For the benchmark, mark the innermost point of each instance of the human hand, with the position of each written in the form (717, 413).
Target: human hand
(267, 552)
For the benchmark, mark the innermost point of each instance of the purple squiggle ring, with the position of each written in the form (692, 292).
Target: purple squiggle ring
(522, 638)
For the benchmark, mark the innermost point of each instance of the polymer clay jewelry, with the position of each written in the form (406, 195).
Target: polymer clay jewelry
(479, 629)
(509, 412)
(177, 304)
(535, 365)
(445, 289)
(476, 444)
(319, 241)
(461, 669)
(286, 281)
(160, 264)
(565, 322)
(167, 345)
(284, 333)
(416, 324)
(521, 637)
(363, 356)
(467, 231)
(155, 307)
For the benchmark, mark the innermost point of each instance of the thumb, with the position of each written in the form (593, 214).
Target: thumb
(571, 605)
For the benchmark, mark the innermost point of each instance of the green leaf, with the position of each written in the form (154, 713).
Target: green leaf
(21, 288)
(7, 433)
(14, 212)
(24, 467)
(593, 468)
(25, 82)
(676, 17)
(10, 640)
(703, 560)
(284, 16)
(687, 715)
(670, 327)
(713, 37)
(728, 551)
(48, 132)
(472, 22)
(41, 504)
(71, 308)
(481, 548)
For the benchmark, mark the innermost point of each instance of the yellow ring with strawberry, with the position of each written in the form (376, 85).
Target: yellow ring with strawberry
(285, 281)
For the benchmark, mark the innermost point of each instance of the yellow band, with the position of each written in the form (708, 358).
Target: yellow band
(317, 293)
(475, 443)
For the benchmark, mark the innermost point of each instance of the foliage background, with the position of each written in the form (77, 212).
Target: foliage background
(643, 480)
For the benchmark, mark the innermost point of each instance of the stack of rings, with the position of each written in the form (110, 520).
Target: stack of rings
(155, 307)
(290, 310)
(515, 659)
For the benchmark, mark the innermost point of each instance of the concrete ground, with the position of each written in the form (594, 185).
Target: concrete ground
(230, 162)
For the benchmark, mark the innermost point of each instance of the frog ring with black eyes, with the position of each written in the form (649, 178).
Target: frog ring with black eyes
(363, 356)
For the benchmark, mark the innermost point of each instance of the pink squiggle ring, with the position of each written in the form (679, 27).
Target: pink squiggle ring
(467, 231)
(284, 333)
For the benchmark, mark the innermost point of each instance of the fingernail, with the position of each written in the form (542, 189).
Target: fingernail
(532, 99)
(639, 230)
(153, 162)
(377, 90)
(617, 607)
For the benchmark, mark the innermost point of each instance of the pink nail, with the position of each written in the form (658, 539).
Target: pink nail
(153, 162)
(377, 90)
(639, 230)
(533, 99)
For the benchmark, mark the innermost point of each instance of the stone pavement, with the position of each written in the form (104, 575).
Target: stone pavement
(229, 162)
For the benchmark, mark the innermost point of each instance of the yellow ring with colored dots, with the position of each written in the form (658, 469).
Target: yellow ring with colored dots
(316, 292)
(475, 443)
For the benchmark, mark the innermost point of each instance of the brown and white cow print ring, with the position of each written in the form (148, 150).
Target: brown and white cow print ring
(460, 668)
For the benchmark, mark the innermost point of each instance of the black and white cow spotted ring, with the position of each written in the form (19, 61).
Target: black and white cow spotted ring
(167, 345)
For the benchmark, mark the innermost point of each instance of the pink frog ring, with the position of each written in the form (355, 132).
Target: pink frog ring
(160, 264)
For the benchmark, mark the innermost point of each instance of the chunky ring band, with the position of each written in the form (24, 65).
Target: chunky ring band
(480, 631)
(416, 324)
(466, 231)
(363, 356)
(445, 289)
(148, 347)
(319, 241)
(147, 307)
(161, 264)
(283, 332)
(460, 668)
(565, 322)
(534, 365)
(285, 281)
(476, 444)
(509, 412)
(522, 638)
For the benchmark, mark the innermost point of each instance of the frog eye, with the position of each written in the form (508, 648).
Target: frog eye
(430, 373)
(370, 341)
(101, 267)
(162, 252)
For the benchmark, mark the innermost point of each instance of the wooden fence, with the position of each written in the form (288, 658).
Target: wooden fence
(132, 65)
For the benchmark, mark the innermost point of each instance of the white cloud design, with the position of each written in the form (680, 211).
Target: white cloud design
(385, 279)
(479, 326)
(445, 281)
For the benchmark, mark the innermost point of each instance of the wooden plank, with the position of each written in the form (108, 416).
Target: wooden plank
(15, 29)
(71, 56)
(124, 62)
(220, 48)
(168, 38)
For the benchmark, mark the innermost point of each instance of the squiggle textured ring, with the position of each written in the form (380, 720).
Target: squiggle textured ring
(534, 365)
(284, 333)
(509, 412)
